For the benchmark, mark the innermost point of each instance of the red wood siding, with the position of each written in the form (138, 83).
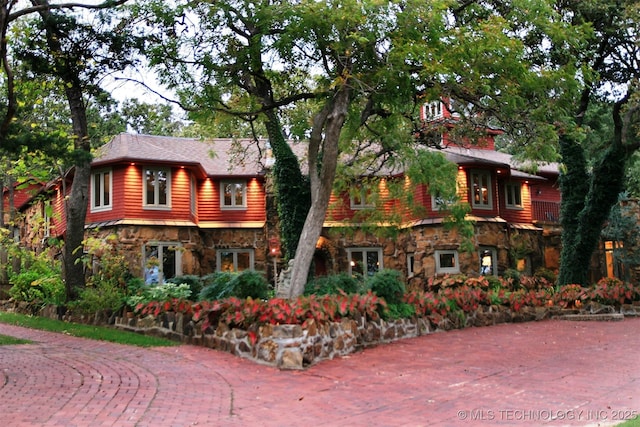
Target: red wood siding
(209, 202)
(58, 222)
(513, 214)
(127, 200)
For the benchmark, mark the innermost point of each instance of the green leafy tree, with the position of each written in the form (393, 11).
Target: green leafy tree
(360, 69)
(76, 55)
(151, 119)
(610, 62)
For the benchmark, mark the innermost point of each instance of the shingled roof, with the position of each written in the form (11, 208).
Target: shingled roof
(236, 157)
(217, 157)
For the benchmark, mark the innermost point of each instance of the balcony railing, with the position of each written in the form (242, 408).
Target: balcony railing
(546, 211)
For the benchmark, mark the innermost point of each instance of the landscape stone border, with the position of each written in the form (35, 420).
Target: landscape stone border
(298, 347)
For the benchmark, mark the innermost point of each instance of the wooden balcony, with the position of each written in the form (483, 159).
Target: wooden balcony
(546, 211)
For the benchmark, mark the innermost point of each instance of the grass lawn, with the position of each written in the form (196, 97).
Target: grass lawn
(84, 331)
(6, 340)
(634, 422)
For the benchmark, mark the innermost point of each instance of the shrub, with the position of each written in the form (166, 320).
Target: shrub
(159, 294)
(194, 282)
(399, 311)
(546, 274)
(613, 292)
(387, 284)
(467, 298)
(243, 313)
(217, 286)
(512, 274)
(446, 281)
(249, 283)
(40, 284)
(104, 298)
(569, 296)
(333, 284)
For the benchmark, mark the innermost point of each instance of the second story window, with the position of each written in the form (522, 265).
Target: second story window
(157, 188)
(233, 195)
(481, 196)
(361, 197)
(101, 191)
(513, 196)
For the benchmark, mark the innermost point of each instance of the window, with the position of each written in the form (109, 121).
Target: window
(447, 262)
(193, 196)
(481, 189)
(432, 110)
(440, 202)
(101, 191)
(234, 260)
(410, 265)
(233, 195)
(361, 197)
(523, 265)
(364, 261)
(161, 261)
(47, 211)
(513, 195)
(157, 188)
(488, 261)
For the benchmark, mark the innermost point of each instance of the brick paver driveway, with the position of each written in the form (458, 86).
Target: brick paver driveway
(542, 373)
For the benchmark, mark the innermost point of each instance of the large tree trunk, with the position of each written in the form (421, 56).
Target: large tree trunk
(326, 131)
(76, 206)
(587, 201)
(292, 188)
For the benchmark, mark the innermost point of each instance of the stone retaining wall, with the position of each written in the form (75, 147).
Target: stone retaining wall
(297, 347)
(282, 346)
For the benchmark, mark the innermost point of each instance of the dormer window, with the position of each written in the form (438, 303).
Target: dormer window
(157, 188)
(432, 110)
(233, 195)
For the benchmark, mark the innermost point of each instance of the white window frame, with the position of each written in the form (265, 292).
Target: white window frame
(513, 191)
(155, 203)
(175, 247)
(481, 175)
(440, 269)
(365, 251)
(361, 197)
(233, 205)
(433, 110)
(102, 205)
(234, 252)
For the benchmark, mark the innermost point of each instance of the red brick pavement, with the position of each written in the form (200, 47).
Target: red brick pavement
(543, 373)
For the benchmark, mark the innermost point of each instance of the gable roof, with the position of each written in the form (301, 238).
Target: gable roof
(215, 158)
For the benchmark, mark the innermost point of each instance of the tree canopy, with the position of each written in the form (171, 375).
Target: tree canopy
(344, 80)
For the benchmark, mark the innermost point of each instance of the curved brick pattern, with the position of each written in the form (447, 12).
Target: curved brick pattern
(551, 372)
